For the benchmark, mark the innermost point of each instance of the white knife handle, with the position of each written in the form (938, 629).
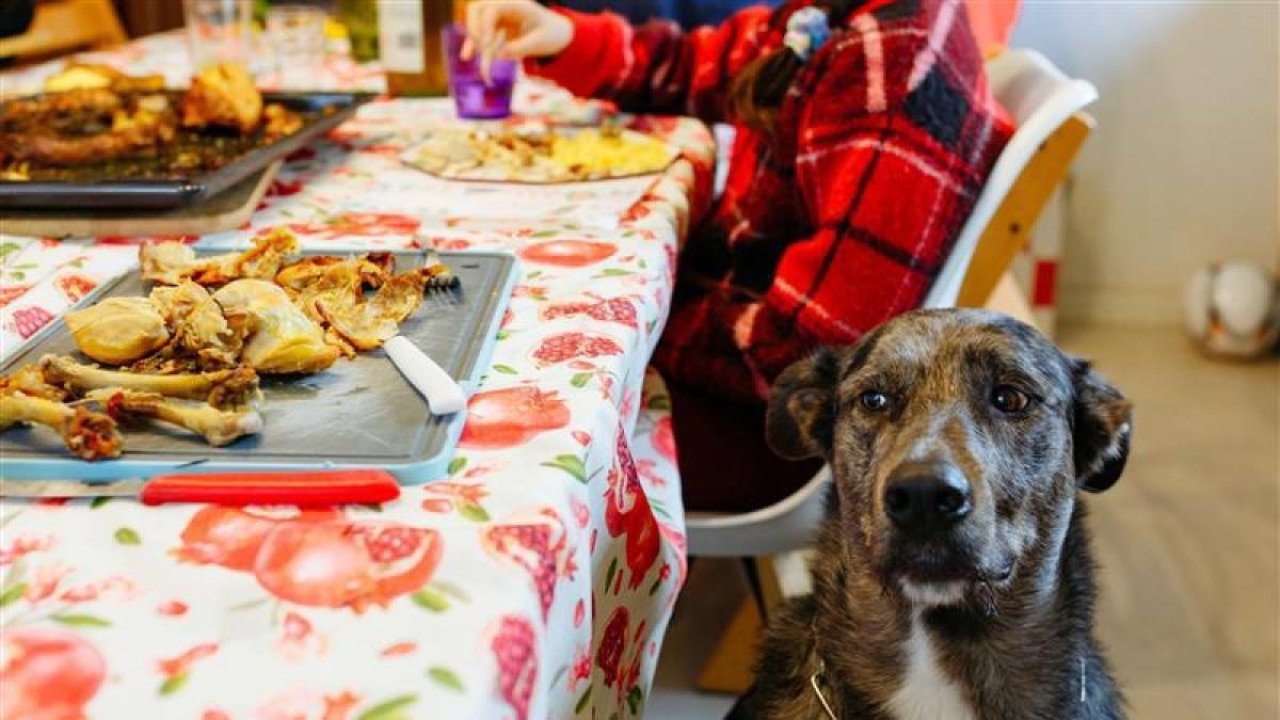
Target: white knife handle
(443, 394)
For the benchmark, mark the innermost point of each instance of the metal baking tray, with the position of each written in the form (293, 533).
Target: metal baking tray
(359, 413)
(323, 111)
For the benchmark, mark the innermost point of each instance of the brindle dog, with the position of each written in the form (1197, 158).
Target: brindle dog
(953, 578)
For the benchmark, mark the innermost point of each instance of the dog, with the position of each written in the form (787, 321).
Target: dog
(952, 577)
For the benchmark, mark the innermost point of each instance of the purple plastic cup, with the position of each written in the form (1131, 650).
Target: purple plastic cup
(474, 98)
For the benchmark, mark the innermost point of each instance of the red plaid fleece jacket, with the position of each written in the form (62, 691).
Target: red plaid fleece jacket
(843, 216)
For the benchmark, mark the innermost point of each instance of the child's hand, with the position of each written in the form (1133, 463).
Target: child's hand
(515, 29)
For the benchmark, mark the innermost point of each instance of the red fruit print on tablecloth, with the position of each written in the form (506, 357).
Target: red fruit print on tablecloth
(47, 673)
(24, 544)
(73, 285)
(307, 704)
(663, 438)
(231, 537)
(27, 321)
(612, 645)
(620, 310)
(627, 512)
(180, 665)
(299, 640)
(534, 543)
(172, 608)
(399, 649)
(10, 293)
(514, 650)
(146, 239)
(507, 417)
(346, 564)
(568, 253)
(563, 347)
(364, 224)
(44, 582)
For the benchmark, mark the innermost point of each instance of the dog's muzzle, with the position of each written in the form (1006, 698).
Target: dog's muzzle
(924, 500)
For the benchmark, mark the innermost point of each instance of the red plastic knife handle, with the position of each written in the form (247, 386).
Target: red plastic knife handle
(307, 489)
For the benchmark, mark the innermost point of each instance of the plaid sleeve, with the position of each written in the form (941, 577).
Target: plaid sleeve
(656, 67)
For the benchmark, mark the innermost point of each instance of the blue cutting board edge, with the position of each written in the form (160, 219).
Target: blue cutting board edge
(417, 472)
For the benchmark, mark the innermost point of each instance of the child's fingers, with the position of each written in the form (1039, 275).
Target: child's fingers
(482, 22)
(530, 43)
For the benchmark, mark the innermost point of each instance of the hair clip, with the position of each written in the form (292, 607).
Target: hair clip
(807, 30)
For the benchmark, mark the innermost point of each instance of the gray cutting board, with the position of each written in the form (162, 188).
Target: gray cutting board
(359, 413)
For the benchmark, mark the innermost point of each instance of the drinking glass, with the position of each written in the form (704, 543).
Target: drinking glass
(296, 33)
(472, 95)
(219, 31)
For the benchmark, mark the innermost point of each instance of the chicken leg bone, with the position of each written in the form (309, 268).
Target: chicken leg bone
(89, 435)
(221, 388)
(218, 427)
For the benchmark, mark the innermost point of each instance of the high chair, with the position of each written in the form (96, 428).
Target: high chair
(63, 26)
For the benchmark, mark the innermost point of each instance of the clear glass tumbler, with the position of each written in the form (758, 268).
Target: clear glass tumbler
(296, 34)
(219, 31)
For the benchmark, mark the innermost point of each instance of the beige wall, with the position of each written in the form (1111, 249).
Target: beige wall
(1183, 167)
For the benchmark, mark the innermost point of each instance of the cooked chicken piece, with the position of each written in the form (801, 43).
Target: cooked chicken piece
(280, 121)
(279, 337)
(217, 427)
(82, 76)
(171, 263)
(372, 268)
(296, 276)
(224, 95)
(167, 262)
(365, 325)
(30, 380)
(118, 331)
(221, 388)
(83, 126)
(338, 285)
(87, 434)
(201, 333)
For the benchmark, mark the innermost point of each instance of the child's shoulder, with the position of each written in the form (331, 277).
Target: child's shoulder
(889, 45)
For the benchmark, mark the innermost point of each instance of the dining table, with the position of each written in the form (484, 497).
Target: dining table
(534, 581)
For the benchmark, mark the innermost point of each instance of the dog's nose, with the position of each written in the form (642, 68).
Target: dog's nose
(922, 497)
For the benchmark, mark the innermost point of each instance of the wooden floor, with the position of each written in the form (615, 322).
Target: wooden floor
(1189, 543)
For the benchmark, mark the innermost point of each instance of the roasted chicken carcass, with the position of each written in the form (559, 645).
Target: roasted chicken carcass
(279, 338)
(83, 126)
(331, 291)
(202, 337)
(217, 427)
(89, 435)
(171, 263)
(367, 324)
(119, 330)
(222, 95)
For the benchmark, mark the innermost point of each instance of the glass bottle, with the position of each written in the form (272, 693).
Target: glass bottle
(410, 45)
(361, 20)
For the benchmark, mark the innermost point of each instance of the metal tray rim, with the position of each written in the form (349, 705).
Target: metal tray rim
(159, 193)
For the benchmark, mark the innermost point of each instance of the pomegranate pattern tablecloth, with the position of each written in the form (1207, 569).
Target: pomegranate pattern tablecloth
(534, 582)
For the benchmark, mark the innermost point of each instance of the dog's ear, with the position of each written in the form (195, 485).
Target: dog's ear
(802, 405)
(1103, 422)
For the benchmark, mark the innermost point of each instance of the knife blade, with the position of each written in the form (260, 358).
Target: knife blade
(304, 489)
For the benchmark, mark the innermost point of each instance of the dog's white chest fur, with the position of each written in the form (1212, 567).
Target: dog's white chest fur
(927, 693)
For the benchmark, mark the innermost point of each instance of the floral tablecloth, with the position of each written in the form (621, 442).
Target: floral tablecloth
(534, 582)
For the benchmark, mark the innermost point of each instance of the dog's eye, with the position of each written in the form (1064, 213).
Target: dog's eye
(1009, 399)
(874, 400)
